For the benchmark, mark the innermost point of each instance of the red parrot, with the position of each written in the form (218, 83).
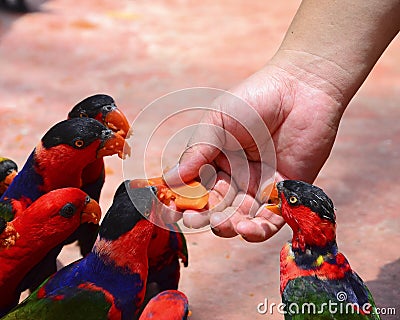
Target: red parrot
(43, 225)
(57, 162)
(167, 248)
(317, 281)
(101, 107)
(167, 305)
(108, 283)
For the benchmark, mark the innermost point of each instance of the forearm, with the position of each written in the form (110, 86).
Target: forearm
(335, 44)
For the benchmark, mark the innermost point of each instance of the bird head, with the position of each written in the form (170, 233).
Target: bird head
(129, 208)
(102, 108)
(79, 136)
(8, 171)
(308, 211)
(57, 214)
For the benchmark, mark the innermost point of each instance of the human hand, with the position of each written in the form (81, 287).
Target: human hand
(302, 116)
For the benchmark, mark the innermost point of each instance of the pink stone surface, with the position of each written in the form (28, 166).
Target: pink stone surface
(137, 51)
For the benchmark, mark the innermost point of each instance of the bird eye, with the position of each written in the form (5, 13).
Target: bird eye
(293, 199)
(83, 115)
(87, 199)
(108, 108)
(68, 210)
(79, 143)
(9, 171)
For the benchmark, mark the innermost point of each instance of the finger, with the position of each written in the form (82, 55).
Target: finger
(223, 192)
(196, 219)
(220, 197)
(169, 214)
(262, 227)
(224, 223)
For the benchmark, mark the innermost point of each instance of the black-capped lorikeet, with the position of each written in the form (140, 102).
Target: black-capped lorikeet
(317, 281)
(101, 107)
(57, 162)
(167, 249)
(108, 283)
(44, 224)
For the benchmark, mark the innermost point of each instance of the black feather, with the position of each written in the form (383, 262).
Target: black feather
(127, 209)
(6, 166)
(70, 131)
(92, 106)
(310, 196)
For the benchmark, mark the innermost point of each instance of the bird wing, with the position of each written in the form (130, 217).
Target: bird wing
(312, 297)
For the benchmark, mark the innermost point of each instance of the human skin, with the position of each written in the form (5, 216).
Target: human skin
(300, 94)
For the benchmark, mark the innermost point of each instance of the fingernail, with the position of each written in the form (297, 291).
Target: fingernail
(172, 177)
(216, 230)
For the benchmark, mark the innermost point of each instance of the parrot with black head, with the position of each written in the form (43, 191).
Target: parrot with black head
(57, 162)
(110, 282)
(101, 107)
(43, 225)
(167, 249)
(314, 274)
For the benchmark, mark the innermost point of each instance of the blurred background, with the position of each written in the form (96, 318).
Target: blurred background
(136, 51)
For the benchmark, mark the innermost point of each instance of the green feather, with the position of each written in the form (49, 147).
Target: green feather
(307, 298)
(81, 305)
(6, 211)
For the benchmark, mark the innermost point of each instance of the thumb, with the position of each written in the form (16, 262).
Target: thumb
(203, 147)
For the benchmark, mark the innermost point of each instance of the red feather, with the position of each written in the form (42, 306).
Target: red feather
(40, 228)
(167, 305)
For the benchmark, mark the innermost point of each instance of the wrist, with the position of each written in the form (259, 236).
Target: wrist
(319, 73)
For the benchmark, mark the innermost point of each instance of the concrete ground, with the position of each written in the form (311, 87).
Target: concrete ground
(137, 51)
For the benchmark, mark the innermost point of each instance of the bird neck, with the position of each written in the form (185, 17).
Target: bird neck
(313, 232)
(93, 171)
(320, 262)
(314, 256)
(129, 251)
(62, 166)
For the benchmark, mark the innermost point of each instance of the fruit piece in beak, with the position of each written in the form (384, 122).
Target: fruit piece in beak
(117, 122)
(273, 203)
(91, 213)
(192, 195)
(115, 144)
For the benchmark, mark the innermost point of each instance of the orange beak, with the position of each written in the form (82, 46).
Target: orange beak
(91, 213)
(273, 203)
(117, 122)
(114, 145)
(189, 196)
